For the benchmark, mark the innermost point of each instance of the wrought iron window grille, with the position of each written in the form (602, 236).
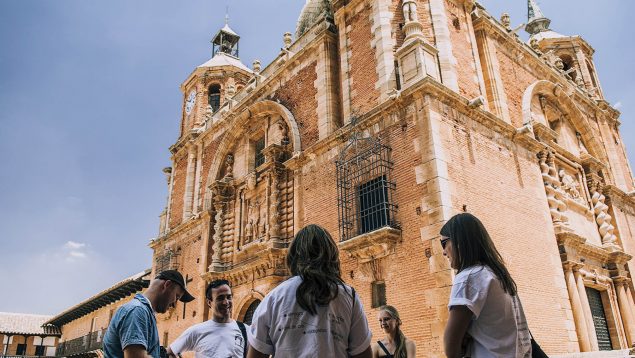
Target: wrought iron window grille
(167, 261)
(365, 187)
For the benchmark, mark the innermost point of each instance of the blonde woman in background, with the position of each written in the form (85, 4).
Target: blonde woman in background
(395, 344)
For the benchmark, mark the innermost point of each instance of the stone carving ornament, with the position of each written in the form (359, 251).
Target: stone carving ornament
(602, 216)
(555, 194)
(570, 186)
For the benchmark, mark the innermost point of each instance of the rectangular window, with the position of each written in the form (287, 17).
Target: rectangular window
(39, 350)
(21, 350)
(379, 294)
(260, 157)
(373, 204)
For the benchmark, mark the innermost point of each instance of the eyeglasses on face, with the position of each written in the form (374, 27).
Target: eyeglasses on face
(444, 241)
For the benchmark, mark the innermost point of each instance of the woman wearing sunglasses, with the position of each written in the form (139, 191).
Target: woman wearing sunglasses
(486, 318)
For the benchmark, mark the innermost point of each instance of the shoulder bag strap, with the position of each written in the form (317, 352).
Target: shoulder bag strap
(243, 330)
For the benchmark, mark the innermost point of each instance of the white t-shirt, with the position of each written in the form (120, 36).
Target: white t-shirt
(281, 327)
(211, 339)
(498, 327)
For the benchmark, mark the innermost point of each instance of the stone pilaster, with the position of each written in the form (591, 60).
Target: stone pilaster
(494, 88)
(345, 74)
(586, 308)
(626, 313)
(576, 307)
(447, 61)
(383, 44)
(189, 182)
(326, 83)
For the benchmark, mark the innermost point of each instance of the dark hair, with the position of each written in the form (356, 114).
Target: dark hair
(472, 245)
(400, 338)
(215, 284)
(314, 257)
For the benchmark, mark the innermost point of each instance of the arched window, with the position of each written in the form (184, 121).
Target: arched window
(249, 314)
(568, 63)
(213, 97)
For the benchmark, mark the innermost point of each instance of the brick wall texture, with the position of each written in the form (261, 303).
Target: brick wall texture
(447, 158)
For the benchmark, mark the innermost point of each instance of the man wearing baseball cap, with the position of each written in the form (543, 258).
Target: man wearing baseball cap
(132, 332)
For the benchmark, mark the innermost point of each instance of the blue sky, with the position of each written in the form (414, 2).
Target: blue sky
(90, 103)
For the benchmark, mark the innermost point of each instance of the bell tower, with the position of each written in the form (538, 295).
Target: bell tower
(571, 55)
(226, 41)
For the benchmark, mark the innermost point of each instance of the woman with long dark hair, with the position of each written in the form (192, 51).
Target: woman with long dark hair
(486, 318)
(395, 345)
(313, 313)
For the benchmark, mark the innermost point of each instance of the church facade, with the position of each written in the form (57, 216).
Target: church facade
(379, 120)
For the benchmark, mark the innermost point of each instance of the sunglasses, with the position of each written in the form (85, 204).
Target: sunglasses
(444, 241)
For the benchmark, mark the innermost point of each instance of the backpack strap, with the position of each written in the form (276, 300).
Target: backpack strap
(243, 331)
(383, 347)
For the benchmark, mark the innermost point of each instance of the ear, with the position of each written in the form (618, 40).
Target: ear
(209, 302)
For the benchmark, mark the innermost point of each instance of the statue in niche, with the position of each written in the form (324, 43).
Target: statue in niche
(263, 225)
(229, 167)
(569, 184)
(253, 221)
(279, 133)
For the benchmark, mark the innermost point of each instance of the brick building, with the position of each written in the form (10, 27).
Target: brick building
(83, 325)
(25, 335)
(379, 120)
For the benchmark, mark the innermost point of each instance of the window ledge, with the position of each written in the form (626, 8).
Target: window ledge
(372, 245)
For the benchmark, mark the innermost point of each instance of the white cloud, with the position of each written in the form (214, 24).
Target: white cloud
(74, 245)
(77, 254)
(618, 105)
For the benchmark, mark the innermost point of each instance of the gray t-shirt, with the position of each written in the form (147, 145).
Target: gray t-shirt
(133, 324)
(211, 339)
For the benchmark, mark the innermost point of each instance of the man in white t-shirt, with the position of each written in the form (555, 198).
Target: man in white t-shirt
(221, 336)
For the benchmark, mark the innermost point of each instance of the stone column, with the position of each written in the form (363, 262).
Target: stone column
(196, 205)
(621, 286)
(189, 183)
(495, 90)
(584, 300)
(383, 43)
(576, 308)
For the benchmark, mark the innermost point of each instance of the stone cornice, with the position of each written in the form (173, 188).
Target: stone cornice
(619, 198)
(425, 86)
(373, 245)
(188, 224)
(207, 71)
(266, 263)
(582, 248)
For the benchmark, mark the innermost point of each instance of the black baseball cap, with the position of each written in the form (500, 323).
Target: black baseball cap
(175, 276)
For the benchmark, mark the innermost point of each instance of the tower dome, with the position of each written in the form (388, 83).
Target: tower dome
(312, 11)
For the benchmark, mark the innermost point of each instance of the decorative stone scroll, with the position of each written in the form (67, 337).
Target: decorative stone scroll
(553, 188)
(222, 193)
(603, 219)
(602, 216)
